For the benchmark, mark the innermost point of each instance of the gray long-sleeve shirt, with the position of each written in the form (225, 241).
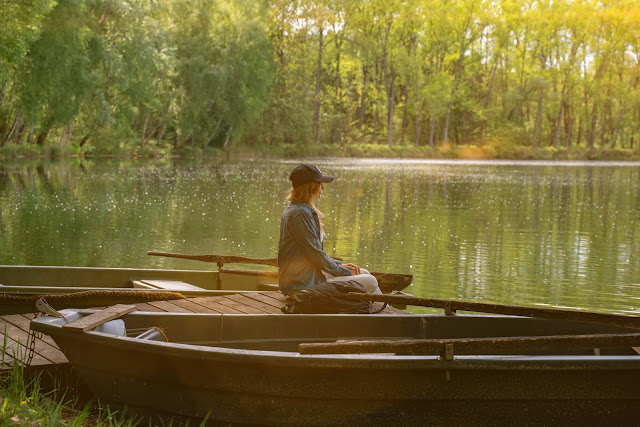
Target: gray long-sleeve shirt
(301, 258)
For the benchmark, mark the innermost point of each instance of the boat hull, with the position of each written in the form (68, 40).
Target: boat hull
(284, 387)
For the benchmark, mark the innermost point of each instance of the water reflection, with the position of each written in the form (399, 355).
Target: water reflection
(533, 233)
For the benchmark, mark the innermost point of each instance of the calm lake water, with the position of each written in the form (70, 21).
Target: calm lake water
(527, 233)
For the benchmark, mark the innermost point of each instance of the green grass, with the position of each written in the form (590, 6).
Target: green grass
(25, 402)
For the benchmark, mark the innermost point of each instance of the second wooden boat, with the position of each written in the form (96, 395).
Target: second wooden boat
(459, 368)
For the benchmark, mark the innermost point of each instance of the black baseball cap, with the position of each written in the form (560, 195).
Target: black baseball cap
(305, 173)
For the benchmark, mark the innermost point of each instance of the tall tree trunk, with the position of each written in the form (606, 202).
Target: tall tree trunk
(365, 74)
(163, 128)
(62, 136)
(338, 84)
(432, 133)
(416, 130)
(416, 118)
(447, 117)
(537, 128)
(556, 138)
(617, 126)
(13, 127)
(215, 131)
(2, 91)
(226, 141)
(337, 103)
(405, 96)
(487, 100)
(591, 131)
(70, 134)
(316, 97)
(458, 70)
(160, 125)
(388, 86)
(568, 126)
(143, 138)
(33, 126)
(44, 132)
(84, 140)
(391, 108)
(572, 55)
(603, 129)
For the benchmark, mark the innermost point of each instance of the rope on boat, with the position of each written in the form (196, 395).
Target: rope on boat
(91, 298)
(164, 336)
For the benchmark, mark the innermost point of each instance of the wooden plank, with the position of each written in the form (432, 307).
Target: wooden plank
(266, 308)
(98, 318)
(543, 313)
(636, 349)
(16, 351)
(490, 345)
(277, 295)
(44, 346)
(258, 296)
(200, 307)
(213, 305)
(192, 306)
(167, 306)
(236, 305)
(148, 307)
(171, 285)
(18, 335)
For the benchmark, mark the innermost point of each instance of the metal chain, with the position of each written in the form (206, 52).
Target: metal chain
(31, 343)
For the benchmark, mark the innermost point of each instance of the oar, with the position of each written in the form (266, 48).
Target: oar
(219, 259)
(388, 282)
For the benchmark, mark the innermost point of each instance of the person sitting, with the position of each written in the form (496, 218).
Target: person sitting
(302, 261)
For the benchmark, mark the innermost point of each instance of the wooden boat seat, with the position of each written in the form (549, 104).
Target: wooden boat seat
(166, 285)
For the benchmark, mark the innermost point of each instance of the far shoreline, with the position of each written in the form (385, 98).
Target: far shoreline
(483, 152)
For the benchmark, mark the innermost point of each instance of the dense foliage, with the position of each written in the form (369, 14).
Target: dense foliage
(100, 76)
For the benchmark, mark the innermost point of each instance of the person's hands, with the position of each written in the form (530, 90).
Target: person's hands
(352, 267)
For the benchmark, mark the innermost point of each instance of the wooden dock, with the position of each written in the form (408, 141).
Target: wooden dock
(14, 328)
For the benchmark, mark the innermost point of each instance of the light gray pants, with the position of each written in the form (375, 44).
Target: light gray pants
(364, 278)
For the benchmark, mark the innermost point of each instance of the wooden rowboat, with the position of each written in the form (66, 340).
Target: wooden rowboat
(107, 286)
(85, 278)
(460, 369)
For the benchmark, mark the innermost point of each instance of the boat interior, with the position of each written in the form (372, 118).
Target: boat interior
(287, 332)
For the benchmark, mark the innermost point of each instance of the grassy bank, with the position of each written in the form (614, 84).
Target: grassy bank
(27, 398)
(46, 399)
(484, 151)
(25, 403)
